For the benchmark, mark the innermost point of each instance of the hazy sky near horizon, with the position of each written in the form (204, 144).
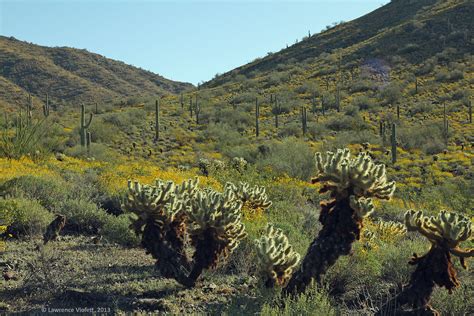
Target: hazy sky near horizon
(184, 40)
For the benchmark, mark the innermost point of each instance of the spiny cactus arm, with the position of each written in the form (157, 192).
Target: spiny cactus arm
(363, 207)
(416, 221)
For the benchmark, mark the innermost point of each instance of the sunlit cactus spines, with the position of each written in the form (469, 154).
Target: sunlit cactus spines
(362, 206)
(161, 223)
(253, 198)
(445, 232)
(341, 173)
(239, 164)
(390, 228)
(277, 258)
(352, 183)
(216, 229)
(446, 229)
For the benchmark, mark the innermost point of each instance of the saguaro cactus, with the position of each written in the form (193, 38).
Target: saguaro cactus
(29, 110)
(197, 109)
(276, 110)
(398, 111)
(445, 125)
(352, 183)
(157, 120)
(470, 111)
(84, 126)
(46, 106)
(393, 140)
(276, 256)
(304, 119)
(338, 98)
(88, 142)
(181, 100)
(445, 232)
(191, 106)
(257, 115)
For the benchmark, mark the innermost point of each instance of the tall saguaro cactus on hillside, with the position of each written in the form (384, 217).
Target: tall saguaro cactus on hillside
(352, 183)
(84, 126)
(445, 232)
(157, 120)
(257, 115)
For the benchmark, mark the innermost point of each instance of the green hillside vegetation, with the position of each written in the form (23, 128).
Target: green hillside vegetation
(250, 216)
(72, 75)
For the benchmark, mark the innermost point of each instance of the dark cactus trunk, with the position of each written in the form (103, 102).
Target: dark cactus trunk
(168, 248)
(341, 227)
(434, 268)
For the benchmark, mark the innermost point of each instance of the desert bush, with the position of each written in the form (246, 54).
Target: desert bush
(46, 191)
(315, 301)
(291, 129)
(25, 140)
(361, 85)
(363, 102)
(391, 93)
(27, 217)
(123, 120)
(429, 138)
(116, 229)
(292, 157)
(83, 216)
(344, 123)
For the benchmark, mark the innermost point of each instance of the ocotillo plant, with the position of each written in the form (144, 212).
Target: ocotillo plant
(46, 106)
(157, 120)
(382, 131)
(445, 232)
(304, 119)
(393, 140)
(257, 115)
(352, 183)
(84, 126)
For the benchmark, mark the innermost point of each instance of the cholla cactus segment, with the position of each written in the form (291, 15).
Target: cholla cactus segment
(255, 197)
(239, 163)
(446, 229)
(363, 207)
(276, 255)
(391, 228)
(160, 203)
(342, 172)
(219, 212)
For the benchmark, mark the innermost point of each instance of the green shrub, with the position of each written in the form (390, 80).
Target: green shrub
(313, 302)
(292, 157)
(83, 217)
(27, 217)
(48, 192)
(116, 229)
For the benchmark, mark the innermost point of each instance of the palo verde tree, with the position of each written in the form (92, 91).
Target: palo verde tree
(445, 232)
(352, 183)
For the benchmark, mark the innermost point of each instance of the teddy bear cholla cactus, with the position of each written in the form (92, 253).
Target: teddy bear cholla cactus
(277, 257)
(161, 221)
(216, 229)
(445, 232)
(352, 183)
(254, 199)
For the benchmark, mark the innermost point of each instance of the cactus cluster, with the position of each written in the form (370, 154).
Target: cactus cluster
(239, 164)
(276, 256)
(207, 166)
(254, 199)
(167, 214)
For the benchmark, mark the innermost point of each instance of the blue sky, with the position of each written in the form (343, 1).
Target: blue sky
(185, 40)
